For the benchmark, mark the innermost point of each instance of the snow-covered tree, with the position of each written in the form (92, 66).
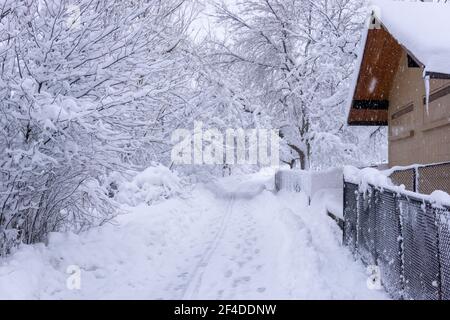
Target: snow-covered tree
(297, 56)
(87, 87)
(92, 87)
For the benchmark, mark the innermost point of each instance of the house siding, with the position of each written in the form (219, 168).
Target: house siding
(415, 135)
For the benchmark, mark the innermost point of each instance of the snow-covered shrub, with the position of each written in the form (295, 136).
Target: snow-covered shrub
(76, 96)
(153, 184)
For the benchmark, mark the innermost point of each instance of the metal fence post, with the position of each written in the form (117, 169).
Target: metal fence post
(343, 210)
(438, 254)
(400, 244)
(415, 181)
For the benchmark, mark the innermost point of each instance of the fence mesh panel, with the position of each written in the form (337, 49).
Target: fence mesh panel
(388, 244)
(421, 264)
(408, 239)
(366, 227)
(443, 217)
(351, 196)
(405, 177)
(434, 177)
(424, 179)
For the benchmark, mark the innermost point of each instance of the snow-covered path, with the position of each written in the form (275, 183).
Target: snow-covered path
(229, 240)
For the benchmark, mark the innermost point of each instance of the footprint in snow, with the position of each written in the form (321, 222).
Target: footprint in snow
(240, 280)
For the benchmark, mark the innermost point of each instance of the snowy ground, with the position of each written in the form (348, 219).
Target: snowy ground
(232, 239)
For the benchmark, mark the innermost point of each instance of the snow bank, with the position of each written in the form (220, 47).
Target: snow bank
(331, 200)
(243, 186)
(135, 257)
(313, 262)
(423, 28)
(153, 184)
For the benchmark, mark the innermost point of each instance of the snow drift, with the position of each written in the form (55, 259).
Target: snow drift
(153, 184)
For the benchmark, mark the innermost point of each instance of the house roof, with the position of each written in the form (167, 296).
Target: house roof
(421, 29)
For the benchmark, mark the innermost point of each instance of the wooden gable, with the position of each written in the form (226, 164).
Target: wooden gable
(380, 60)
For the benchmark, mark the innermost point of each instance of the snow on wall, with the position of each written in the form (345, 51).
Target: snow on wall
(329, 179)
(308, 181)
(323, 188)
(291, 180)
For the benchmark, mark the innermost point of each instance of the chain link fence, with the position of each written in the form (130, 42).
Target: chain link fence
(405, 236)
(424, 179)
(405, 177)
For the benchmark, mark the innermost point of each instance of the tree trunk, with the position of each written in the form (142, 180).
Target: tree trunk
(301, 157)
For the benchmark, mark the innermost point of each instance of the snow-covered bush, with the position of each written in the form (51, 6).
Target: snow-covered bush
(153, 184)
(76, 96)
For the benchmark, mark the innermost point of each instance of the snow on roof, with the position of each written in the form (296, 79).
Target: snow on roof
(421, 27)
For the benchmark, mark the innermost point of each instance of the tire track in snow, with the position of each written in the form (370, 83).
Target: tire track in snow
(195, 281)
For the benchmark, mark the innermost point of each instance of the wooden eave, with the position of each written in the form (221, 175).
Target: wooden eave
(381, 57)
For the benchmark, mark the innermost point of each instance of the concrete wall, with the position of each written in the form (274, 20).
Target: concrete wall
(416, 136)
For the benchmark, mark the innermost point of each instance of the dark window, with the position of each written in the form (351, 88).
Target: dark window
(412, 63)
